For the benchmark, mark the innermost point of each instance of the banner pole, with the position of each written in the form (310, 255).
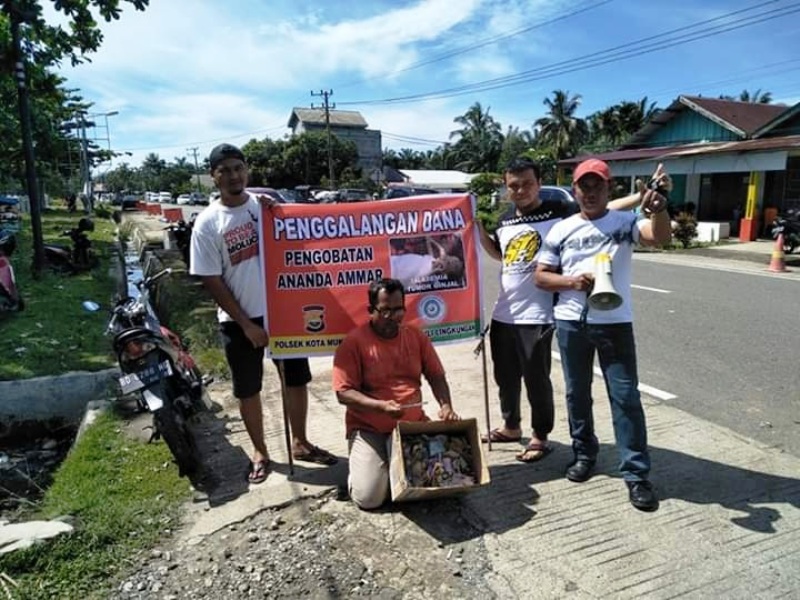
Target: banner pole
(285, 405)
(481, 349)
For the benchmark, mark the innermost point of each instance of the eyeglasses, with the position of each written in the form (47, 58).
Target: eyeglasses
(388, 313)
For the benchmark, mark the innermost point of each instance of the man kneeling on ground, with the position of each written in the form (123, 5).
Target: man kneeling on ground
(377, 373)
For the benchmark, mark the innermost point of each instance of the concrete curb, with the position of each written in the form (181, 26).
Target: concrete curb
(56, 400)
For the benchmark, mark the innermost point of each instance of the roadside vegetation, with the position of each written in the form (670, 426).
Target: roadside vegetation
(54, 334)
(121, 495)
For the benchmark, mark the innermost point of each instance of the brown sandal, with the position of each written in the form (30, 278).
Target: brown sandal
(498, 437)
(534, 452)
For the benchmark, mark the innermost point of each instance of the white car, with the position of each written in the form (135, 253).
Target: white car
(184, 199)
(164, 197)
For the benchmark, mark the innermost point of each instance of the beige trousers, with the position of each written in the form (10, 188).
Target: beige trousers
(368, 481)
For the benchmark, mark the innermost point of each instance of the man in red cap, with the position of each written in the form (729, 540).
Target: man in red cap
(567, 266)
(521, 330)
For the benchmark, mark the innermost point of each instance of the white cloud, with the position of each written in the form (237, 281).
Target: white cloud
(194, 72)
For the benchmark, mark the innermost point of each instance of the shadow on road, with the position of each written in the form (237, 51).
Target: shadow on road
(510, 501)
(225, 465)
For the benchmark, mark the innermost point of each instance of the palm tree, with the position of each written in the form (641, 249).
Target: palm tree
(560, 128)
(757, 97)
(479, 141)
(515, 143)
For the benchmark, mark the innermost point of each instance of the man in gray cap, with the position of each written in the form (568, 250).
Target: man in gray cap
(225, 254)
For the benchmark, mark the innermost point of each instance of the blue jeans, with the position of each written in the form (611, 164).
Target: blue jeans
(616, 350)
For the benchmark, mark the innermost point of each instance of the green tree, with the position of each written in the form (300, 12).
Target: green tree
(613, 125)
(479, 141)
(305, 159)
(560, 128)
(515, 144)
(122, 178)
(266, 163)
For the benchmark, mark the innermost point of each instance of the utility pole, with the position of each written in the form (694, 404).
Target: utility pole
(27, 143)
(196, 166)
(325, 95)
(86, 170)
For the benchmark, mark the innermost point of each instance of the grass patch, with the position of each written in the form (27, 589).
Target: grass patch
(192, 314)
(122, 493)
(54, 334)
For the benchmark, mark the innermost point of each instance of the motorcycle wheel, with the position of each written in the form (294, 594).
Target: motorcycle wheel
(171, 426)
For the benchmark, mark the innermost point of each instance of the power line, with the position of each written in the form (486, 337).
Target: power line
(475, 45)
(621, 52)
(406, 138)
(204, 142)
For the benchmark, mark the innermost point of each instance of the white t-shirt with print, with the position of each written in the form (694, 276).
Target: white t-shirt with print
(573, 244)
(519, 239)
(225, 242)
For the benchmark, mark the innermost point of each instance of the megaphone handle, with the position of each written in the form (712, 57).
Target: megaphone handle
(585, 311)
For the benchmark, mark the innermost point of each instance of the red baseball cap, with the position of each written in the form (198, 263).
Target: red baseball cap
(592, 165)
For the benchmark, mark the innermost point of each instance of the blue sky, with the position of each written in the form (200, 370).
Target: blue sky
(193, 73)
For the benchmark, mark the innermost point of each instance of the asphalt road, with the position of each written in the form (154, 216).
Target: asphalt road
(724, 344)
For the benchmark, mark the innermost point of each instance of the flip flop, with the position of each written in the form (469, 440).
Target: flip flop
(498, 437)
(258, 471)
(534, 451)
(316, 455)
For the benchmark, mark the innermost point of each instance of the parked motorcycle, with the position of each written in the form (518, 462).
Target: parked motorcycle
(788, 224)
(157, 366)
(181, 231)
(10, 300)
(77, 258)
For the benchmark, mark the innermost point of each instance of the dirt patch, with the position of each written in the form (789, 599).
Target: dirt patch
(322, 548)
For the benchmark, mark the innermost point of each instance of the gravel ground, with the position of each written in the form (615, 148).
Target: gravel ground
(322, 548)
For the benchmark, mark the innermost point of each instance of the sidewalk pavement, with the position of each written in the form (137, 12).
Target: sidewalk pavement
(758, 251)
(728, 525)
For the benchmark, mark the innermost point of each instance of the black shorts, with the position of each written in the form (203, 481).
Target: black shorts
(247, 363)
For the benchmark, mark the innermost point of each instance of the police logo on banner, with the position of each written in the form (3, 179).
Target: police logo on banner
(432, 309)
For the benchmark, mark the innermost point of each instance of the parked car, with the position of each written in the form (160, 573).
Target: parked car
(556, 192)
(405, 191)
(266, 191)
(164, 197)
(184, 200)
(290, 195)
(353, 195)
(198, 198)
(129, 201)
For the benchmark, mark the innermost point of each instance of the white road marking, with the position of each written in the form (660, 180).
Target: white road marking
(650, 289)
(643, 387)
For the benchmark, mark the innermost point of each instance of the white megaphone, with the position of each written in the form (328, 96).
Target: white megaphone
(603, 296)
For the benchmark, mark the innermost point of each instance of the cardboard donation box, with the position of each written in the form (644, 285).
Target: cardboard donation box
(435, 459)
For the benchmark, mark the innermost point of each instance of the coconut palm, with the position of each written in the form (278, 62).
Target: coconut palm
(515, 143)
(757, 97)
(479, 141)
(560, 128)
